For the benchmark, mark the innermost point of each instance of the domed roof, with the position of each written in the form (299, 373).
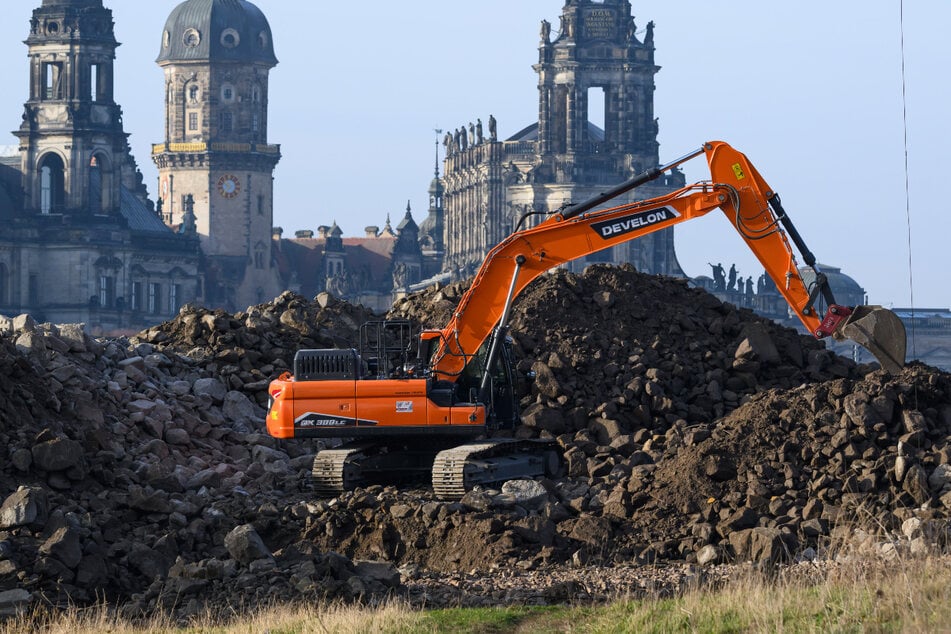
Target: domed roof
(845, 288)
(217, 30)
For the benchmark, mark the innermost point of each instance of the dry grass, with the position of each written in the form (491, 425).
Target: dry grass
(275, 620)
(867, 594)
(861, 595)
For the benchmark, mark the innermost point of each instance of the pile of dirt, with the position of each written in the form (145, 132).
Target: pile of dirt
(139, 469)
(141, 475)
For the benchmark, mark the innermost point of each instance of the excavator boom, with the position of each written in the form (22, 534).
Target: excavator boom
(736, 188)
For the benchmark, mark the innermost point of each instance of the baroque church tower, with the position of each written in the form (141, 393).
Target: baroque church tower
(595, 129)
(80, 241)
(72, 128)
(216, 55)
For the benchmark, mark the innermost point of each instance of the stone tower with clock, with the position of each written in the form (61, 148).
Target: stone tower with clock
(216, 55)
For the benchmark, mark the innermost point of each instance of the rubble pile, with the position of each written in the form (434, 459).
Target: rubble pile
(248, 349)
(139, 469)
(143, 475)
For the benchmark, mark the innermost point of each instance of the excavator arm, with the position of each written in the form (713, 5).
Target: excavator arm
(735, 187)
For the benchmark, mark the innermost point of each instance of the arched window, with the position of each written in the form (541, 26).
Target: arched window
(95, 186)
(52, 80)
(52, 184)
(101, 197)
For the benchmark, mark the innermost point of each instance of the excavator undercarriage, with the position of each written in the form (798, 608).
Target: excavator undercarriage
(453, 469)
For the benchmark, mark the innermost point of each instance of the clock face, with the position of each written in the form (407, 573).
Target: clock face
(228, 186)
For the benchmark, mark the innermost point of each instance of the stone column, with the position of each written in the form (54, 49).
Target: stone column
(544, 117)
(571, 112)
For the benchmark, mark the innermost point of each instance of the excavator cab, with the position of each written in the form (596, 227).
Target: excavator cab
(500, 397)
(504, 401)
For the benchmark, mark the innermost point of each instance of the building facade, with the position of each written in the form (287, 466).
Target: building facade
(81, 241)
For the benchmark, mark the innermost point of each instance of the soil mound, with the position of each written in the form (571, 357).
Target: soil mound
(139, 469)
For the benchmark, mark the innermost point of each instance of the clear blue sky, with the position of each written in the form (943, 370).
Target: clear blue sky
(810, 91)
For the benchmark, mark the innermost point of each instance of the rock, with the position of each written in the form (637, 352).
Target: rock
(719, 468)
(57, 454)
(134, 369)
(239, 409)
(92, 572)
(915, 484)
(940, 477)
(22, 459)
(606, 430)
(545, 381)
(25, 506)
(760, 545)
(177, 437)
(529, 494)
(150, 563)
(74, 336)
(210, 387)
(149, 500)
(13, 602)
(23, 323)
(861, 410)
(209, 478)
(745, 517)
(544, 418)
(911, 528)
(814, 527)
(618, 504)
(915, 428)
(245, 545)
(757, 344)
(708, 555)
(901, 468)
(64, 545)
(382, 571)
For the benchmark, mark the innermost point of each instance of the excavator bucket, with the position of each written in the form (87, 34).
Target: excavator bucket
(880, 331)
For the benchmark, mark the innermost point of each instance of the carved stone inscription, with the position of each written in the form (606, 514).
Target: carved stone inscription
(600, 24)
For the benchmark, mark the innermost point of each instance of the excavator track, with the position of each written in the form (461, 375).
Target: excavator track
(338, 470)
(360, 463)
(460, 468)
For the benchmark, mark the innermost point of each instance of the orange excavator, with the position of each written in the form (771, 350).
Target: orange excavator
(435, 401)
